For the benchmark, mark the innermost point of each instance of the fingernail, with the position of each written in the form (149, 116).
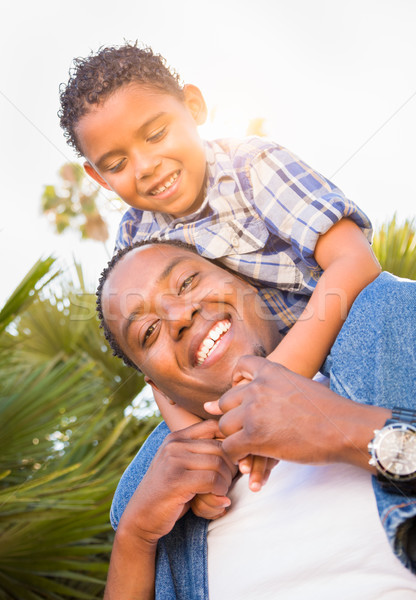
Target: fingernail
(255, 486)
(244, 469)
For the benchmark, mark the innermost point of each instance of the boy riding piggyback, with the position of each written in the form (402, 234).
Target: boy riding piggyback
(249, 203)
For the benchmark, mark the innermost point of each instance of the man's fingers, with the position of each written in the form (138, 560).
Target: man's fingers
(208, 429)
(232, 421)
(213, 408)
(236, 447)
(247, 368)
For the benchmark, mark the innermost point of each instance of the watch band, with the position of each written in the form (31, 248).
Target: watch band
(401, 415)
(396, 487)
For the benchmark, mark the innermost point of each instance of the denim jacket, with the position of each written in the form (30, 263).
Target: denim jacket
(373, 361)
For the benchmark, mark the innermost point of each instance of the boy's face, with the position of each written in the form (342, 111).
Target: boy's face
(143, 144)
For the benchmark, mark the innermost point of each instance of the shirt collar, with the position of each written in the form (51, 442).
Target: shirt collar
(218, 166)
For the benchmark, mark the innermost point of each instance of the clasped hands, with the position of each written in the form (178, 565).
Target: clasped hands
(271, 414)
(275, 414)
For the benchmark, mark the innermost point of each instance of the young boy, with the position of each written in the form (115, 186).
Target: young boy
(249, 203)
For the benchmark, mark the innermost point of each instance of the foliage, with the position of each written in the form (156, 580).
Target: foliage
(73, 205)
(64, 440)
(395, 247)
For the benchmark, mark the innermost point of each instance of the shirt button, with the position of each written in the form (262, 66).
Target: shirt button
(235, 241)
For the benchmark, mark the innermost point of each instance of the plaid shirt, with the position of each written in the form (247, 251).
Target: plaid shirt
(263, 212)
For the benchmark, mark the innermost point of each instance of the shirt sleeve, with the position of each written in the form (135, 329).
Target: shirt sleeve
(127, 228)
(298, 204)
(135, 472)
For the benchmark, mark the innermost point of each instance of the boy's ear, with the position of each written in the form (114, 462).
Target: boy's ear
(195, 102)
(89, 169)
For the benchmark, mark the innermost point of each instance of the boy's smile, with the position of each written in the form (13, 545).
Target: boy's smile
(143, 144)
(184, 321)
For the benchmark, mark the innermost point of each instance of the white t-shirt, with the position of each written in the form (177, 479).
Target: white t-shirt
(310, 533)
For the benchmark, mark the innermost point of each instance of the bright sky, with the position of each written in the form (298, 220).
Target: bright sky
(335, 82)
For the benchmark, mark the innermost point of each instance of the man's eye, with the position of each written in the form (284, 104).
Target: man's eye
(186, 283)
(157, 136)
(149, 332)
(118, 166)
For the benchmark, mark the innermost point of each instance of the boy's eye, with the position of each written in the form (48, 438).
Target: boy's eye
(117, 167)
(186, 283)
(157, 136)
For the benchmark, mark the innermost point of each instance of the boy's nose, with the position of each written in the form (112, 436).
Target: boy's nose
(145, 165)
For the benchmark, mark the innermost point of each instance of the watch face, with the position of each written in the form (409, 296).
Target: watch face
(395, 451)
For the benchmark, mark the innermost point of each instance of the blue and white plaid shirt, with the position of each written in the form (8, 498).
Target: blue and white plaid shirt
(263, 212)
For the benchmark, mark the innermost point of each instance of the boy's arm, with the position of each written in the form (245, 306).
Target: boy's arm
(175, 416)
(348, 265)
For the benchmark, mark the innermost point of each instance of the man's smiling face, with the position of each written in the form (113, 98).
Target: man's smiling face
(184, 321)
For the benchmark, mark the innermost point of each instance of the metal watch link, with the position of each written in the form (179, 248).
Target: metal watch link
(393, 451)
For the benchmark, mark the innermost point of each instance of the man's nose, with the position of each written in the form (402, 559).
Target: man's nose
(145, 164)
(179, 313)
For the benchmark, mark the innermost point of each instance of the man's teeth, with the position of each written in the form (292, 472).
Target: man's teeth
(211, 340)
(166, 185)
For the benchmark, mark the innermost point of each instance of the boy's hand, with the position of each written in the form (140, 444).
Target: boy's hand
(209, 506)
(259, 468)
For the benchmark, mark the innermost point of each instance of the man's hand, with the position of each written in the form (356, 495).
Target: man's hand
(285, 416)
(189, 462)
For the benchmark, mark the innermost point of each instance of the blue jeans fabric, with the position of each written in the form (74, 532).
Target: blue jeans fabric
(373, 361)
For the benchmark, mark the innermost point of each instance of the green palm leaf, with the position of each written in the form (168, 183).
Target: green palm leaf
(395, 247)
(64, 442)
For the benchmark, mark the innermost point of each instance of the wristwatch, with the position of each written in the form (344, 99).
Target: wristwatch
(393, 451)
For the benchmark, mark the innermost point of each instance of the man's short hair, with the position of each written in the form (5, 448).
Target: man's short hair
(94, 78)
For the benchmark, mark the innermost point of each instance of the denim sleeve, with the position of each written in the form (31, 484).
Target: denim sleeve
(181, 558)
(373, 361)
(135, 472)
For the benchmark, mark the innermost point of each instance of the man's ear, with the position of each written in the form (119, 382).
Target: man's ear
(151, 383)
(89, 169)
(157, 391)
(195, 102)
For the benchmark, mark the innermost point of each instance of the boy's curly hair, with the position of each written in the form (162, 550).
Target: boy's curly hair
(96, 77)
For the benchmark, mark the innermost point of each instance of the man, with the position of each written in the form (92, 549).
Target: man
(316, 531)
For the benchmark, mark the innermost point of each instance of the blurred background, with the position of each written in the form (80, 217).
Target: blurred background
(332, 81)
